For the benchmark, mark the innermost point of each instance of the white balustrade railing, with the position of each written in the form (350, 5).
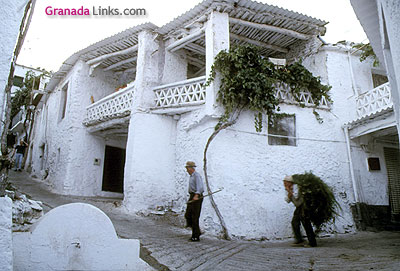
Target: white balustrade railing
(304, 97)
(192, 92)
(112, 106)
(183, 93)
(374, 100)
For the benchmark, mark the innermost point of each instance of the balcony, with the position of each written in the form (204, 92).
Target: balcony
(180, 97)
(116, 105)
(304, 97)
(374, 101)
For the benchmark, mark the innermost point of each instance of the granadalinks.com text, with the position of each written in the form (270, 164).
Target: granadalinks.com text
(95, 10)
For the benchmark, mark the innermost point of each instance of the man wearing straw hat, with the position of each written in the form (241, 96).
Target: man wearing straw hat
(193, 208)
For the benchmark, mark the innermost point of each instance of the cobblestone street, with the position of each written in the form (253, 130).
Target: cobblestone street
(165, 246)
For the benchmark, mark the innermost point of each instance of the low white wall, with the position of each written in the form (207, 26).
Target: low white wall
(75, 236)
(6, 246)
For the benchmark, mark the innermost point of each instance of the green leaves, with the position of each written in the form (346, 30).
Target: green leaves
(367, 51)
(248, 81)
(22, 96)
(319, 200)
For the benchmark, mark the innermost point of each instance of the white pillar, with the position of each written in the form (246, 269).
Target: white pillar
(147, 71)
(150, 152)
(217, 39)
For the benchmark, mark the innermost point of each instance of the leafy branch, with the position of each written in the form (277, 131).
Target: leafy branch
(366, 52)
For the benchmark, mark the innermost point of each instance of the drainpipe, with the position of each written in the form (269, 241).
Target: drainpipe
(353, 179)
(353, 81)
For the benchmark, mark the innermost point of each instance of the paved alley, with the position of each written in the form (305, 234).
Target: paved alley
(165, 246)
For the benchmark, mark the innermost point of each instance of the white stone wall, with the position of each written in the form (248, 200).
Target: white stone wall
(372, 185)
(390, 40)
(11, 15)
(75, 236)
(71, 149)
(6, 247)
(251, 171)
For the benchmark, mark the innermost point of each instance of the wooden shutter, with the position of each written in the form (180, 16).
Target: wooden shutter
(392, 158)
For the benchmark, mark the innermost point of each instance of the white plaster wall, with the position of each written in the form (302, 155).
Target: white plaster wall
(75, 237)
(149, 170)
(391, 11)
(6, 246)
(251, 171)
(11, 15)
(175, 68)
(71, 149)
(372, 185)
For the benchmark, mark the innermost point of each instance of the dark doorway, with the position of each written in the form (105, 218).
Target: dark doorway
(113, 172)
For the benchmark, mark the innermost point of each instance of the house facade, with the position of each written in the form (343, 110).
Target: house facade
(121, 117)
(12, 16)
(376, 129)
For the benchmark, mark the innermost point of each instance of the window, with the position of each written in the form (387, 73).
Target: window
(282, 130)
(63, 101)
(36, 83)
(378, 79)
(18, 81)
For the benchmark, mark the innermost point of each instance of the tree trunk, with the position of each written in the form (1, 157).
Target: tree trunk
(214, 205)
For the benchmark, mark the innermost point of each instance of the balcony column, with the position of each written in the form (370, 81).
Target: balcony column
(150, 150)
(147, 71)
(217, 39)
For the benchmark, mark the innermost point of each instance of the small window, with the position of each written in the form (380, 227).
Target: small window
(18, 81)
(36, 83)
(282, 130)
(373, 163)
(63, 101)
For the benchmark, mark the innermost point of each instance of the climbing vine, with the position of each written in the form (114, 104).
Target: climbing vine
(248, 82)
(22, 97)
(366, 52)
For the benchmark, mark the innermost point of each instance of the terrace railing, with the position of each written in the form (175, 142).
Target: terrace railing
(116, 105)
(374, 101)
(179, 94)
(192, 92)
(304, 97)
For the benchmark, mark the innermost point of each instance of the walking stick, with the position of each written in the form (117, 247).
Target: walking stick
(191, 201)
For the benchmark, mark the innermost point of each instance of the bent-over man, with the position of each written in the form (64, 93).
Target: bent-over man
(300, 214)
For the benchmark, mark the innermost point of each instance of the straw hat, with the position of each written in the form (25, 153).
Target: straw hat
(190, 164)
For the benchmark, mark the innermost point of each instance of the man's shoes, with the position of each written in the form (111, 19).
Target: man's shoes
(310, 245)
(194, 239)
(298, 243)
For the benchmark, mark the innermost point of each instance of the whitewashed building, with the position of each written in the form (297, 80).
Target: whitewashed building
(378, 123)
(121, 118)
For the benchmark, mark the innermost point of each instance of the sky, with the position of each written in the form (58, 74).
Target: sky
(52, 39)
